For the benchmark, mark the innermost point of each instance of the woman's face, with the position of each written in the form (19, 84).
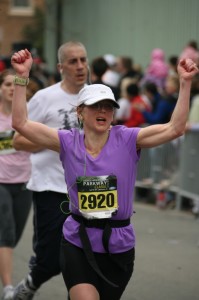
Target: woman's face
(98, 117)
(7, 88)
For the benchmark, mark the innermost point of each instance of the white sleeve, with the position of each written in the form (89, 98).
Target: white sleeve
(36, 108)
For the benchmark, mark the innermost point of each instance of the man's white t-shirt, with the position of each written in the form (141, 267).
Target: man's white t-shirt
(57, 109)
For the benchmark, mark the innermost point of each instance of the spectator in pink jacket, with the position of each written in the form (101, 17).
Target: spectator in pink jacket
(157, 69)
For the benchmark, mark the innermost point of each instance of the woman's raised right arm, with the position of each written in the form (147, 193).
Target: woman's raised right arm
(37, 133)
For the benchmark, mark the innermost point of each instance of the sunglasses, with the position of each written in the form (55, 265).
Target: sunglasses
(102, 106)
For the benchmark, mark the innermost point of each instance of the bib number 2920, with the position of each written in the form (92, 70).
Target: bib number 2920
(97, 201)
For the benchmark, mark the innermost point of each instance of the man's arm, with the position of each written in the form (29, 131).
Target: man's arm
(155, 135)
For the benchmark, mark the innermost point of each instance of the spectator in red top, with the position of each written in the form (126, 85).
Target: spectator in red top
(136, 117)
(2, 65)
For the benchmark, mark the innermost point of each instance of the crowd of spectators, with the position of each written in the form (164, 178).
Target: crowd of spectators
(146, 95)
(149, 93)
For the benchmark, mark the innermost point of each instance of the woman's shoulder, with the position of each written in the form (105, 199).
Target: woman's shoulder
(69, 135)
(124, 131)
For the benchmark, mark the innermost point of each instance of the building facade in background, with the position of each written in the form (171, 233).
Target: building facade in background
(15, 15)
(121, 27)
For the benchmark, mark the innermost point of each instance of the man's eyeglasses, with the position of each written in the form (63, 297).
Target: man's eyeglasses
(102, 106)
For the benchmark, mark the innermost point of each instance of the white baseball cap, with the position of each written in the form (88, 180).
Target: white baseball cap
(94, 93)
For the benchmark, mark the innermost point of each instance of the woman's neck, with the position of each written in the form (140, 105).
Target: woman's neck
(94, 143)
(6, 108)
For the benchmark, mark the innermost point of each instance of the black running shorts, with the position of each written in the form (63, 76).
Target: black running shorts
(118, 268)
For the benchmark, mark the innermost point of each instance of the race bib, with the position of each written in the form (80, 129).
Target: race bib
(97, 196)
(6, 142)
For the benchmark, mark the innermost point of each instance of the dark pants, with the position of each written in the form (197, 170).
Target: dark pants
(15, 204)
(48, 221)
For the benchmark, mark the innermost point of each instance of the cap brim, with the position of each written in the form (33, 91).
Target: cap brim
(91, 102)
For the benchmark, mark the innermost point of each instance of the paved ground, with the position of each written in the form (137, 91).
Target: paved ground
(167, 258)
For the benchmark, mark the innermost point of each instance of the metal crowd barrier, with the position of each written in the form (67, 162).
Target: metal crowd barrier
(158, 166)
(172, 167)
(189, 169)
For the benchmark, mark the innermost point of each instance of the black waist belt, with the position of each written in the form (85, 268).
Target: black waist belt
(106, 225)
